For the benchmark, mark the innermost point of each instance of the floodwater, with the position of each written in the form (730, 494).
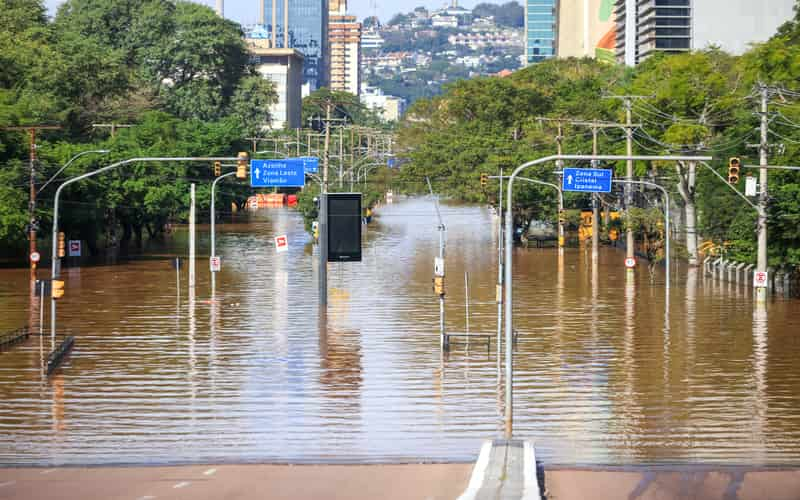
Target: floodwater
(606, 373)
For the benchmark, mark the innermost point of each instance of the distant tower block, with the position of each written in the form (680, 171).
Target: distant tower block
(220, 8)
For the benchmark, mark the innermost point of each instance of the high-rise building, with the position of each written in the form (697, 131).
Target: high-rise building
(586, 29)
(284, 68)
(644, 27)
(303, 26)
(541, 23)
(344, 33)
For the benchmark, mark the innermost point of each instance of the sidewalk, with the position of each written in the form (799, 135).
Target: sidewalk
(667, 483)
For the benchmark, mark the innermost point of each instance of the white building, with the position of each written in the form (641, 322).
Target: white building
(371, 40)
(444, 21)
(284, 68)
(389, 107)
(644, 27)
(344, 34)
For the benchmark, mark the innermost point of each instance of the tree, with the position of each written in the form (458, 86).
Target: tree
(648, 226)
(694, 98)
(251, 102)
(510, 14)
(344, 107)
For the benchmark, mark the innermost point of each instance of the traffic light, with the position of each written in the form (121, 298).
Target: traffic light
(562, 217)
(734, 165)
(62, 245)
(57, 289)
(217, 168)
(438, 285)
(241, 165)
(484, 180)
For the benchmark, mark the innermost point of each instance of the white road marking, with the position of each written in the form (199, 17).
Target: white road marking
(531, 482)
(181, 485)
(209, 472)
(7, 483)
(48, 471)
(146, 497)
(478, 473)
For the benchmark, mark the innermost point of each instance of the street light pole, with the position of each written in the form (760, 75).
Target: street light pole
(509, 263)
(51, 179)
(213, 227)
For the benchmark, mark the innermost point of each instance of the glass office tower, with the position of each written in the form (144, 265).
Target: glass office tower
(308, 33)
(540, 29)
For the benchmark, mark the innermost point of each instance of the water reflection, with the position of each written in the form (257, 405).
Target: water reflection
(607, 371)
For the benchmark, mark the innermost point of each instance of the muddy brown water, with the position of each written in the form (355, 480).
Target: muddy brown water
(606, 373)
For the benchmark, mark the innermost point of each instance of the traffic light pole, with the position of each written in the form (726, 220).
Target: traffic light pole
(509, 263)
(54, 255)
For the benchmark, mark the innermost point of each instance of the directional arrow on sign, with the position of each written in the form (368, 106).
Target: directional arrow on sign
(569, 179)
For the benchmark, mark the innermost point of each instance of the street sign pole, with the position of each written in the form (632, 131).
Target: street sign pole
(213, 229)
(322, 273)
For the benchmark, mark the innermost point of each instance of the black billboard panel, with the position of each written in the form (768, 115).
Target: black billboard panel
(344, 227)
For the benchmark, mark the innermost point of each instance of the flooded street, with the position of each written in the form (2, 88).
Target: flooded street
(606, 373)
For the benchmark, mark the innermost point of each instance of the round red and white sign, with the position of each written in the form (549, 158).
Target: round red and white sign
(630, 263)
(35, 257)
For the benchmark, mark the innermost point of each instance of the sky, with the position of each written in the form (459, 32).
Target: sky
(246, 11)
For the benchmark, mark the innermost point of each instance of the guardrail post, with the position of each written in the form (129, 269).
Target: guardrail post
(739, 269)
(748, 274)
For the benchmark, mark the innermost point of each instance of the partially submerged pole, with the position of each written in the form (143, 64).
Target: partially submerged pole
(192, 249)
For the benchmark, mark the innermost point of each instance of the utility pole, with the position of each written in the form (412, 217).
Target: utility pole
(341, 155)
(31, 130)
(761, 267)
(559, 165)
(326, 154)
(596, 126)
(112, 126)
(628, 103)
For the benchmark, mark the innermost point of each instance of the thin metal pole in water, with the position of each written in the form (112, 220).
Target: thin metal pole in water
(499, 291)
(466, 303)
(213, 226)
(442, 229)
(322, 273)
(192, 241)
(41, 308)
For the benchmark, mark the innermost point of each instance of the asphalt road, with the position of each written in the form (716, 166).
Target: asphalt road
(221, 482)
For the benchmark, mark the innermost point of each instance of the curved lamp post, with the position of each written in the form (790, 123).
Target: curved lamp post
(509, 263)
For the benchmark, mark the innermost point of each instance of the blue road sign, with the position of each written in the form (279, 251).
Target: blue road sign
(587, 180)
(390, 163)
(310, 164)
(277, 173)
